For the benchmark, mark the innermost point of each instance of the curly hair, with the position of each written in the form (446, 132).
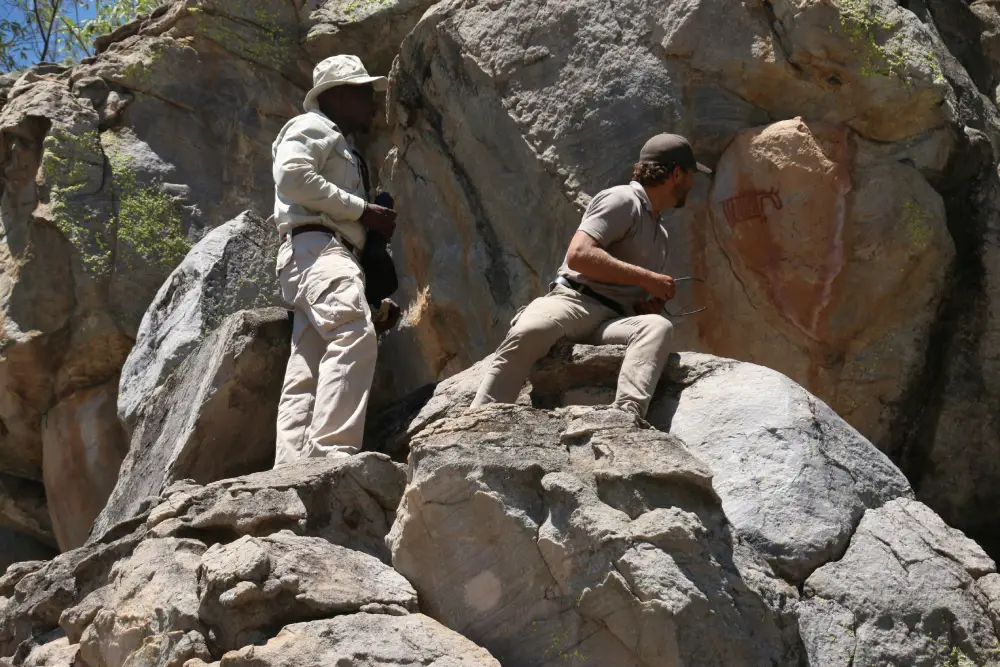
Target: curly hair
(646, 173)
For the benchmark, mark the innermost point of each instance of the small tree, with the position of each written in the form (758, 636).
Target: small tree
(33, 31)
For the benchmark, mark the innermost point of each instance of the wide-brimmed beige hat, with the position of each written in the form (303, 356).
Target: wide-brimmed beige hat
(339, 71)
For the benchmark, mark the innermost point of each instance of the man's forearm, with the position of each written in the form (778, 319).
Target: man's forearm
(597, 264)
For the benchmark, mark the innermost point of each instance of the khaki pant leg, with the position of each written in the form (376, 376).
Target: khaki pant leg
(649, 341)
(334, 354)
(561, 312)
(298, 392)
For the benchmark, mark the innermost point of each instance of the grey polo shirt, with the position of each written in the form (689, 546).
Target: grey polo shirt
(621, 220)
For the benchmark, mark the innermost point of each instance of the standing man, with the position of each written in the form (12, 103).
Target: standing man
(323, 215)
(611, 287)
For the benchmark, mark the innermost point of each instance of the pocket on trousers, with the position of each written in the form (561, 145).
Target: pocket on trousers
(517, 315)
(335, 302)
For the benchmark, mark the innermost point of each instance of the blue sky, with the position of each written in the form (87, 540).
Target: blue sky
(10, 13)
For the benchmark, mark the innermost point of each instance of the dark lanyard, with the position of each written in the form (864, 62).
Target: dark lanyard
(363, 168)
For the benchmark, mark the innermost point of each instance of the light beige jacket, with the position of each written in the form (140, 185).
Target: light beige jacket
(317, 179)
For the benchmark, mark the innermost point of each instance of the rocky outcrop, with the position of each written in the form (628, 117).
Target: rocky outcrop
(872, 121)
(615, 547)
(793, 477)
(110, 172)
(748, 524)
(229, 270)
(364, 639)
(224, 567)
(112, 169)
(909, 591)
(761, 503)
(213, 418)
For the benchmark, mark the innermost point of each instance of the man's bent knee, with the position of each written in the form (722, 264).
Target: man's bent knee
(655, 328)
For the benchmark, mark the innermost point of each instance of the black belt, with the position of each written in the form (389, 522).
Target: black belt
(586, 291)
(353, 249)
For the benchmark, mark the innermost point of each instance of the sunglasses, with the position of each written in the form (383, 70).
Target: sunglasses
(685, 313)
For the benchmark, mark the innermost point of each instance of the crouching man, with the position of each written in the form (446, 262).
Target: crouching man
(611, 288)
(323, 216)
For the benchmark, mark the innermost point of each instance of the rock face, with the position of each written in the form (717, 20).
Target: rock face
(112, 169)
(876, 228)
(82, 446)
(873, 122)
(109, 175)
(229, 270)
(213, 418)
(909, 591)
(761, 530)
(797, 491)
(615, 548)
(217, 571)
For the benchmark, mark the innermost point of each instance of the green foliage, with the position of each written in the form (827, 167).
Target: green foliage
(67, 171)
(356, 9)
(917, 225)
(150, 225)
(272, 44)
(59, 30)
(862, 23)
(957, 658)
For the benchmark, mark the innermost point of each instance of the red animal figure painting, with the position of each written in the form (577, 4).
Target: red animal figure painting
(750, 205)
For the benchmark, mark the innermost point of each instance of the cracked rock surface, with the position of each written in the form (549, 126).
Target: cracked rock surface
(577, 538)
(909, 591)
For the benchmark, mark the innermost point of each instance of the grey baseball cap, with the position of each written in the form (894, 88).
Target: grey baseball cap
(671, 150)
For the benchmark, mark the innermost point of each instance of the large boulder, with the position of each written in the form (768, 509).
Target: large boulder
(794, 478)
(213, 418)
(229, 270)
(359, 640)
(616, 549)
(853, 246)
(584, 496)
(349, 502)
(909, 591)
(253, 584)
(83, 445)
(216, 572)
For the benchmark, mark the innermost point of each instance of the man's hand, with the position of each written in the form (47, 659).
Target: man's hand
(659, 286)
(649, 307)
(379, 219)
(391, 317)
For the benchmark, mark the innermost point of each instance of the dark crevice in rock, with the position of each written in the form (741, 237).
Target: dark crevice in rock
(777, 29)
(960, 323)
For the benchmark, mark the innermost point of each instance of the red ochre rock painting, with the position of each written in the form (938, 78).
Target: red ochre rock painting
(750, 205)
(782, 192)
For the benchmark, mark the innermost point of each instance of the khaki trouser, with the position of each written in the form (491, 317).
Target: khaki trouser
(325, 394)
(564, 312)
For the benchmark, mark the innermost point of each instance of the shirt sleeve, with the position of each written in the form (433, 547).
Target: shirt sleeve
(298, 163)
(608, 219)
